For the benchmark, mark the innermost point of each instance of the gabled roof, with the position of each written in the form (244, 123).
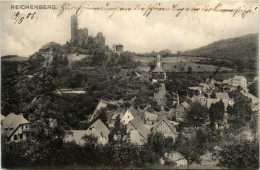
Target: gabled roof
(12, 122)
(139, 126)
(195, 99)
(150, 116)
(186, 105)
(160, 120)
(238, 78)
(226, 81)
(213, 101)
(158, 70)
(203, 85)
(195, 88)
(76, 135)
(201, 96)
(99, 125)
(134, 112)
(222, 95)
(2, 117)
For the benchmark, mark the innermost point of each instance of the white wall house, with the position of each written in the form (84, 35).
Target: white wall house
(14, 127)
(129, 115)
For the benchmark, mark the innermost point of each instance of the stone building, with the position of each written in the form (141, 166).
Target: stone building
(119, 48)
(79, 36)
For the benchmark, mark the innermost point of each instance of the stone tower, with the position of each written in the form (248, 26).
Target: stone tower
(159, 61)
(74, 28)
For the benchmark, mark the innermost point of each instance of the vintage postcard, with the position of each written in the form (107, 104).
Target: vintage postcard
(133, 84)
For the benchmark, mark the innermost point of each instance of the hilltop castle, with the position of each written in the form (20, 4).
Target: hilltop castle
(80, 36)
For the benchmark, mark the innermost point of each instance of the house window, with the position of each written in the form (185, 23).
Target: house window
(128, 116)
(21, 136)
(152, 123)
(15, 137)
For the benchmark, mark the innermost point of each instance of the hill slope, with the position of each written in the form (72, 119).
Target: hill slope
(242, 48)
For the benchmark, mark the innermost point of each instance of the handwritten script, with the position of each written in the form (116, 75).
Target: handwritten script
(147, 9)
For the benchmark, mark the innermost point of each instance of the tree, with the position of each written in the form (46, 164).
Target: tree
(158, 143)
(241, 112)
(239, 154)
(190, 93)
(189, 70)
(102, 115)
(197, 115)
(190, 148)
(253, 88)
(216, 112)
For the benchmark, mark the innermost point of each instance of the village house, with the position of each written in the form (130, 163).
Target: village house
(227, 82)
(138, 132)
(129, 115)
(213, 101)
(98, 125)
(239, 81)
(177, 158)
(199, 99)
(14, 127)
(149, 118)
(181, 111)
(70, 91)
(196, 88)
(98, 129)
(114, 117)
(204, 87)
(256, 79)
(143, 68)
(164, 126)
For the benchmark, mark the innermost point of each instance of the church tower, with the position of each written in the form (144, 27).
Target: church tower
(159, 61)
(74, 28)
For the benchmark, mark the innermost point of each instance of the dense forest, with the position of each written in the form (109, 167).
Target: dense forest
(241, 51)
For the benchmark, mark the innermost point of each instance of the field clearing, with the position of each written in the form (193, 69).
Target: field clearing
(183, 67)
(169, 59)
(181, 64)
(15, 59)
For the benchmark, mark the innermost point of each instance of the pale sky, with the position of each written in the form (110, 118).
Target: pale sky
(159, 31)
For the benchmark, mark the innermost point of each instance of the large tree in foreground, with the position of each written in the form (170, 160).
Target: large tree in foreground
(191, 148)
(239, 154)
(197, 115)
(216, 112)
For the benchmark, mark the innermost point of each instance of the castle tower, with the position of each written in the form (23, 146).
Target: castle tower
(74, 28)
(159, 61)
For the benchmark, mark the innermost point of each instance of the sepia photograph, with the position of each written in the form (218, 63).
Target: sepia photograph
(129, 84)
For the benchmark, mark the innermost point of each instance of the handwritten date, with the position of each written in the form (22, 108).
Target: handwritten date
(19, 17)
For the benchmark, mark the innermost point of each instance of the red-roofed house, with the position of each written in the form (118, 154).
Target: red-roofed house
(14, 126)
